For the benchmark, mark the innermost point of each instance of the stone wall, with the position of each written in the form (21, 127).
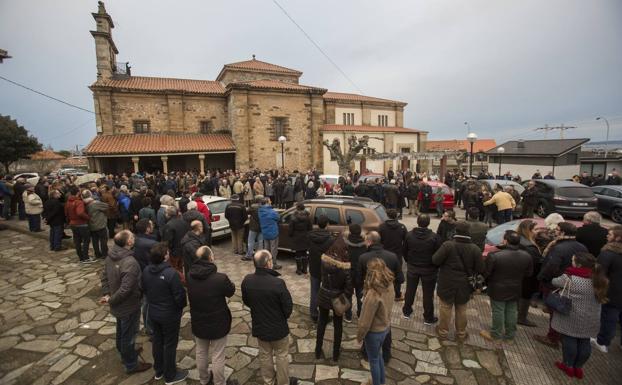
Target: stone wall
(231, 76)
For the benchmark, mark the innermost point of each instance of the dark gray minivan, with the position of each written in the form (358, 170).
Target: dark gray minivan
(567, 198)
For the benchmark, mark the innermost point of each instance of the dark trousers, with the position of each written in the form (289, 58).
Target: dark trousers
(6, 207)
(127, 328)
(100, 242)
(439, 209)
(165, 337)
(111, 223)
(504, 216)
(321, 328)
(34, 222)
(146, 320)
(81, 239)
(609, 316)
(315, 288)
(575, 351)
(56, 236)
(428, 283)
(21, 210)
(527, 210)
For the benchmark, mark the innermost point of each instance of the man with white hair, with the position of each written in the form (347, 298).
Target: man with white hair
(592, 234)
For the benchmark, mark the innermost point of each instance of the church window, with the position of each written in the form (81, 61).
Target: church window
(142, 126)
(279, 126)
(383, 120)
(348, 118)
(369, 151)
(206, 127)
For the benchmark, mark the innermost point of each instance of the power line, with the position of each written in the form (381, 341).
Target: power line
(46, 95)
(316, 45)
(561, 129)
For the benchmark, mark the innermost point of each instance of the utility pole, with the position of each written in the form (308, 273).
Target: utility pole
(561, 129)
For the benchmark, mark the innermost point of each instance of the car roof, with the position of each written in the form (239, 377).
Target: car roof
(213, 198)
(613, 187)
(559, 183)
(346, 201)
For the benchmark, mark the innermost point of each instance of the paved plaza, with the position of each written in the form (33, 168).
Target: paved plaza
(52, 332)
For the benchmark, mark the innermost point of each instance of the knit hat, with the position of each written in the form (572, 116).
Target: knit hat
(462, 228)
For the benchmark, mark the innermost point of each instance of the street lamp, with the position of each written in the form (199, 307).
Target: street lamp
(282, 140)
(500, 151)
(607, 139)
(472, 138)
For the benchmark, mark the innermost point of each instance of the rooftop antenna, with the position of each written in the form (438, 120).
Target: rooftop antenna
(561, 129)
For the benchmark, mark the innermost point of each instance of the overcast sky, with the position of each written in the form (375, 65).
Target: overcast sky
(506, 67)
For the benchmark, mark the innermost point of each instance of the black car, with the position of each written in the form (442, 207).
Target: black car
(609, 201)
(563, 197)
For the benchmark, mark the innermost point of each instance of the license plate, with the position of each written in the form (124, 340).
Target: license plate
(579, 203)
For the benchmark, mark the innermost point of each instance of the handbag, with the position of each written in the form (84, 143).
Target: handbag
(476, 281)
(559, 300)
(341, 305)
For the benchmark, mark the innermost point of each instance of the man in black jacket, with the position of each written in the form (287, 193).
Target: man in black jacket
(121, 289)
(592, 235)
(271, 306)
(210, 316)
(54, 214)
(167, 298)
(192, 214)
(421, 244)
(356, 247)
(392, 236)
(505, 270)
(255, 237)
(412, 192)
(375, 250)
(320, 240)
(190, 243)
(530, 200)
(237, 215)
(174, 231)
(144, 240)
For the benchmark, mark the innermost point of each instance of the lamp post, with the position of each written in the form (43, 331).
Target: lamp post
(500, 151)
(472, 137)
(282, 140)
(607, 138)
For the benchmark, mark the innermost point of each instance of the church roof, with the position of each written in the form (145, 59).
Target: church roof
(349, 98)
(255, 65)
(343, 127)
(46, 155)
(135, 144)
(153, 84)
(275, 85)
(460, 145)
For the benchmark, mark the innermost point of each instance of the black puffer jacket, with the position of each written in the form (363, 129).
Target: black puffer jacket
(393, 235)
(558, 258)
(389, 258)
(336, 279)
(195, 215)
(446, 230)
(173, 232)
(299, 228)
(208, 291)
(421, 244)
(254, 218)
(319, 241)
(531, 284)
(478, 231)
(593, 236)
(505, 270)
(270, 303)
(190, 243)
(237, 215)
(142, 247)
(610, 259)
(356, 247)
(453, 286)
(54, 212)
(165, 293)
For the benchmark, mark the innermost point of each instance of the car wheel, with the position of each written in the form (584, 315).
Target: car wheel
(541, 210)
(616, 214)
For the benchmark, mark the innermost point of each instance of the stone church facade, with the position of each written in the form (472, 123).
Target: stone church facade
(232, 122)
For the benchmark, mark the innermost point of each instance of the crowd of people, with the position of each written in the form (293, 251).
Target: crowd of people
(161, 261)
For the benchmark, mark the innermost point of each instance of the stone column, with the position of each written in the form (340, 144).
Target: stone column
(135, 160)
(164, 164)
(202, 163)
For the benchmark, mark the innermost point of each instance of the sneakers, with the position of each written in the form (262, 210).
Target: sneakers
(158, 376)
(578, 372)
(87, 261)
(180, 376)
(141, 367)
(348, 319)
(598, 346)
(431, 322)
(407, 316)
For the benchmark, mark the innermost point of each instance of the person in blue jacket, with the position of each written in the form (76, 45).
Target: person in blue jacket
(269, 223)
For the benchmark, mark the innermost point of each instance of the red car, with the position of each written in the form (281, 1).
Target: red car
(448, 195)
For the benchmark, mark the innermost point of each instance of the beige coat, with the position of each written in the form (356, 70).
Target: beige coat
(32, 203)
(376, 312)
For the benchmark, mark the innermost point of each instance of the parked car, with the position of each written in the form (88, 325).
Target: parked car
(609, 201)
(217, 206)
(341, 212)
(69, 171)
(448, 195)
(31, 177)
(331, 179)
(564, 197)
(367, 177)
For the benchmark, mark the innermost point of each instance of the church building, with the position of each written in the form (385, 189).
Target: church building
(234, 121)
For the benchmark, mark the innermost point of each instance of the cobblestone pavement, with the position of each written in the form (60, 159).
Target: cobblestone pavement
(53, 332)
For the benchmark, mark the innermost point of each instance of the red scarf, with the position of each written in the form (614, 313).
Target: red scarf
(582, 272)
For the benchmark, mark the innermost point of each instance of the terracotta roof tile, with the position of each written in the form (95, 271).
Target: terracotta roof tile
(46, 155)
(261, 66)
(274, 85)
(341, 127)
(158, 143)
(151, 84)
(348, 98)
(458, 145)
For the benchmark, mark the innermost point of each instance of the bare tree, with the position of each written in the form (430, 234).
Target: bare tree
(355, 145)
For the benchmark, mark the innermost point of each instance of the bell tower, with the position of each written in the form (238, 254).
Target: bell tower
(105, 49)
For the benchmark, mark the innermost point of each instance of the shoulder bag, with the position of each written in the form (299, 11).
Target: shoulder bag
(476, 281)
(559, 300)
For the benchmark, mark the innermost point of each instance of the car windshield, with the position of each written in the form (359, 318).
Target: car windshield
(495, 235)
(381, 213)
(218, 206)
(575, 192)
